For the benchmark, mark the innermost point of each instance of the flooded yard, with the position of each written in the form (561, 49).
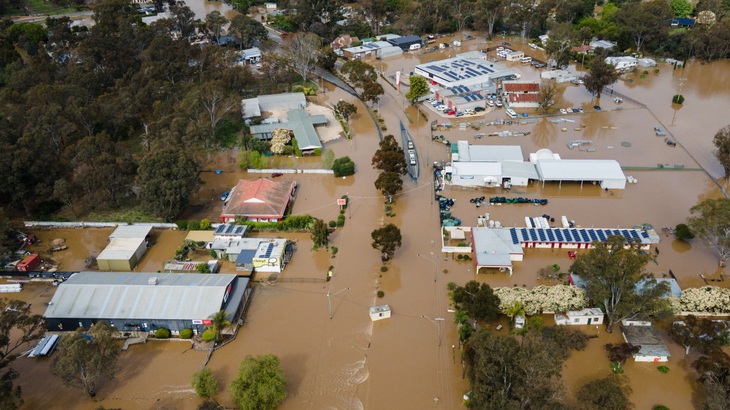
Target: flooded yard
(339, 359)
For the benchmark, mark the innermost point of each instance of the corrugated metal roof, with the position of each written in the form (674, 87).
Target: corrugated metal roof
(121, 249)
(115, 295)
(131, 231)
(579, 170)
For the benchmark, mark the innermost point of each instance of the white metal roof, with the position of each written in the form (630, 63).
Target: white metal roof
(470, 152)
(120, 249)
(492, 247)
(519, 170)
(476, 169)
(131, 231)
(117, 295)
(579, 170)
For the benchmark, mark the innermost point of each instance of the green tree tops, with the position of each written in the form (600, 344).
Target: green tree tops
(600, 75)
(320, 234)
(15, 317)
(609, 393)
(343, 167)
(83, 357)
(478, 301)
(345, 109)
(166, 178)
(417, 89)
(701, 333)
(204, 383)
(681, 8)
(611, 272)
(260, 383)
(722, 143)
(389, 156)
(710, 220)
(386, 239)
(220, 322)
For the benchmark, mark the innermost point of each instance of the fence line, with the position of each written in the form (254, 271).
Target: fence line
(612, 92)
(290, 171)
(52, 224)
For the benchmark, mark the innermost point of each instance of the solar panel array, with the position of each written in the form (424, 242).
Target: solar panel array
(458, 69)
(229, 229)
(269, 249)
(574, 235)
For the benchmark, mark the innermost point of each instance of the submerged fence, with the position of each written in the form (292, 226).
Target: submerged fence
(52, 224)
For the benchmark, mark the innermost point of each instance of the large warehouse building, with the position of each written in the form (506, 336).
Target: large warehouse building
(146, 302)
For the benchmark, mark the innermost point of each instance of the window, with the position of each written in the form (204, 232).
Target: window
(595, 319)
(576, 320)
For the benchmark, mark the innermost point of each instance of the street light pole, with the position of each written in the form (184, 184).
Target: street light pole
(435, 267)
(329, 298)
(436, 322)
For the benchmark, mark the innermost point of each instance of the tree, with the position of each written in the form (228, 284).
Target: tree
(710, 220)
(327, 58)
(389, 156)
(564, 336)
(600, 75)
(644, 22)
(714, 370)
(259, 384)
(487, 13)
(343, 167)
(280, 138)
(609, 393)
(681, 8)
(166, 179)
(722, 143)
(619, 353)
(389, 184)
(359, 73)
(371, 92)
(328, 158)
(303, 51)
(204, 383)
(386, 239)
(562, 38)
(345, 109)
(240, 5)
(84, 357)
(417, 89)
(219, 323)
(247, 31)
(701, 333)
(320, 233)
(214, 22)
(612, 272)
(183, 19)
(18, 328)
(507, 374)
(546, 99)
(683, 233)
(478, 301)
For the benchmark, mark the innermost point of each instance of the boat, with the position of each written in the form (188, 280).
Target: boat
(411, 155)
(58, 248)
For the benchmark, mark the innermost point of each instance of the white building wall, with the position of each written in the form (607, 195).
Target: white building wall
(613, 184)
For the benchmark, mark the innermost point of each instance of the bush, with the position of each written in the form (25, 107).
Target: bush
(288, 150)
(186, 334)
(208, 335)
(213, 254)
(193, 225)
(678, 99)
(660, 407)
(162, 333)
(663, 370)
(334, 250)
(341, 220)
(318, 152)
(383, 268)
(205, 224)
(204, 383)
(332, 224)
(183, 225)
(683, 232)
(381, 294)
(343, 167)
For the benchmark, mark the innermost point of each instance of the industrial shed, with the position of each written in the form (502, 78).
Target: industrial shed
(127, 245)
(146, 302)
(606, 172)
(406, 42)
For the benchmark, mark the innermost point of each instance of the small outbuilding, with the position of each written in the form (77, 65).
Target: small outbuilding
(379, 312)
(406, 42)
(127, 245)
(588, 316)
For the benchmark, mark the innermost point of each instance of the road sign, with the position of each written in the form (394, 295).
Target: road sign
(342, 202)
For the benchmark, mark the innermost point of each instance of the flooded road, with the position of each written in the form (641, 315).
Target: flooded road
(349, 362)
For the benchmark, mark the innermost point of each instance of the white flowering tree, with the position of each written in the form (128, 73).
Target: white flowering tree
(280, 137)
(707, 299)
(558, 298)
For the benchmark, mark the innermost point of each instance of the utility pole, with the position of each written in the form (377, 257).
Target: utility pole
(437, 322)
(329, 298)
(435, 267)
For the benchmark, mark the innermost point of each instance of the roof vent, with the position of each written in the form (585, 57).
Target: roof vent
(152, 281)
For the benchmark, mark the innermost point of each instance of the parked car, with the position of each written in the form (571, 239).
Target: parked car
(276, 174)
(500, 48)
(524, 114)
(479, 109)
(618, 100)
(511, 113)
(431, 99)
(659, 131)
(490, 103)
(563, 111)
(441, 107)
(225, 195)
(498, 103)
(506, 43)
(459, 114)
(492, 97)
(597, 107)
(450, 112)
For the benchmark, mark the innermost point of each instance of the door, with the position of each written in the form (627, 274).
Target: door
(589, 321)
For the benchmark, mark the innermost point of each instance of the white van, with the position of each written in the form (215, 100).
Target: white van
(414, 47)
(413, 158)
(511, 113)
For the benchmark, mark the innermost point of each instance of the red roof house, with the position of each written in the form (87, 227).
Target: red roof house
(521, 93)
(262, 200)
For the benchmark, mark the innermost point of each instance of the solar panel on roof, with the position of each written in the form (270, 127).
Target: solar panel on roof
(625, 233)
(229, 229)
(601, 236)
(550, 235)
(435, 68)
(559, 235)
(523, 231)
(533, 234)
(584, 235)
(592, 235)
(219, 229)
(542, 235)
(634, 234)
(574, 233)
(616, 232)
(513, 233)
(645, 234)
(269, 249)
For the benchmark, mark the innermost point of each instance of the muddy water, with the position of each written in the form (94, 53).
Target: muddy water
(81, 244)
(202, 7)
(408, 361)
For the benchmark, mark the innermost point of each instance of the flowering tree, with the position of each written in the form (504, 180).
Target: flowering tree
(558, 298)
(707, 299)
(279, 139)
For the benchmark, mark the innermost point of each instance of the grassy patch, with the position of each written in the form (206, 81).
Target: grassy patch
(122, 215)
(42, 8)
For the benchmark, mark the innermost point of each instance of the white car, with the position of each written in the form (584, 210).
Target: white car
(499, 103)
(490, 103)
(563, 111)
(500, 48)
(511, 113)
(441, 107)
(431, 99)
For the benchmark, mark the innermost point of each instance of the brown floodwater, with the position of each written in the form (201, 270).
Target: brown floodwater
(411, 360)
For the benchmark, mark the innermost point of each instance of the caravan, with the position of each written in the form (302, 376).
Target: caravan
(511, 113)
(526, 60)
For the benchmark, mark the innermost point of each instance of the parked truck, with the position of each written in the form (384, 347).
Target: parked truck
(29, 263)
